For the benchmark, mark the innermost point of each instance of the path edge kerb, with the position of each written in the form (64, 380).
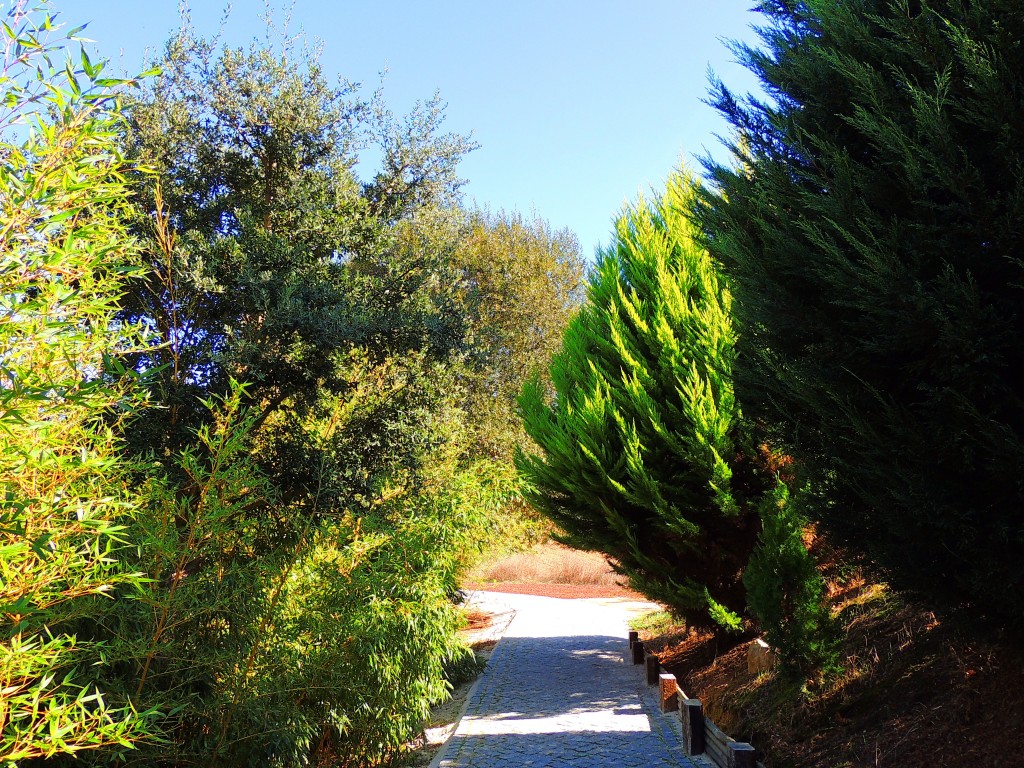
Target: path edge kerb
(499, 647)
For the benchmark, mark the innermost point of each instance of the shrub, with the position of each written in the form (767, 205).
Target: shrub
(63, 253)
(330, 645)
(786, 592)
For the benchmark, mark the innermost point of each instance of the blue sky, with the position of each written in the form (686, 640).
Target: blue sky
(577, 105)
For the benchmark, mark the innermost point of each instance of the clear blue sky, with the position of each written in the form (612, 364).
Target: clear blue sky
(577, 104)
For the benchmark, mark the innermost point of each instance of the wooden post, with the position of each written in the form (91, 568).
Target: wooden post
(633, 637)
(638, 652)
(741, 755)
(669, 693)
(653, 669)
(691, 711)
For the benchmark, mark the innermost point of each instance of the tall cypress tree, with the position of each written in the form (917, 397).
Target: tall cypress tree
(873, 236)
(639, 440)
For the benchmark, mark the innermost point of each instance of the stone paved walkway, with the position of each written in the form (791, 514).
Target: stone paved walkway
(558, 693)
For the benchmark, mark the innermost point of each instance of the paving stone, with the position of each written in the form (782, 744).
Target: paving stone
(558, 693)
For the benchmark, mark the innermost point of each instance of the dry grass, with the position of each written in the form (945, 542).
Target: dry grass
(548, 564)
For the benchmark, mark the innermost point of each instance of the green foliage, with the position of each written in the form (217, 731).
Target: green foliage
(302, 534)
(640, 440)
(270, 263)
(182, 644)
(871, 234)
(229, 573)
(654, 623)
(330, 645)
(522, 283)
(786, 592)
(63, 242)
(465, 669)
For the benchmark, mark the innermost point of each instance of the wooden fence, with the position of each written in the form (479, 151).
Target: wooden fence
(700, 735)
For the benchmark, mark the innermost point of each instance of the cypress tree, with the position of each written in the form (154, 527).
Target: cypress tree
(872, 233)
(639, 441)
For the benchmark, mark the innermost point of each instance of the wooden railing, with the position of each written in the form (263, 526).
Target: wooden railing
(700, 735)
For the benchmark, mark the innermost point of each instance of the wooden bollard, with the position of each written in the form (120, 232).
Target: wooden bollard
(638, 652)
(691, 712)
(653, 669)
(741, 755)
(633, 637)
(669, 693)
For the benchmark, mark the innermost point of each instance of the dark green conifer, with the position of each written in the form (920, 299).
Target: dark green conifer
(873, 237)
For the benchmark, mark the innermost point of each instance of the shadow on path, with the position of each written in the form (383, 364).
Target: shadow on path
(561, 701)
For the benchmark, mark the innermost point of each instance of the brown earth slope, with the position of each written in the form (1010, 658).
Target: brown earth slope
(914, 692)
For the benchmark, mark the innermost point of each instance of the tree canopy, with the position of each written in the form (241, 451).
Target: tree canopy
(244, 428)
(522, 283)
(871, 232)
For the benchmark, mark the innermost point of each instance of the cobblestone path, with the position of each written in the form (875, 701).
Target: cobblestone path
(558, 693)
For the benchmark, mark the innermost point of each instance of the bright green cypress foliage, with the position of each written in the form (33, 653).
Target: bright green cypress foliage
(873, 236)
(638, 443)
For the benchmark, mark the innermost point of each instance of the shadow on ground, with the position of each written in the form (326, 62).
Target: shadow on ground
(562, 701)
